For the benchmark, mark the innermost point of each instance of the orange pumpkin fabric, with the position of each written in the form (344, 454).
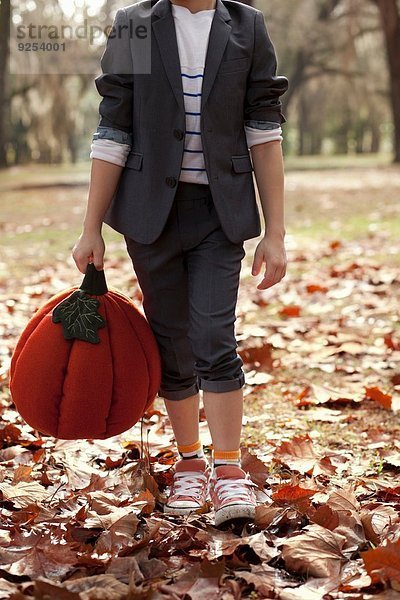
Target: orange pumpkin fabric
(74, 389)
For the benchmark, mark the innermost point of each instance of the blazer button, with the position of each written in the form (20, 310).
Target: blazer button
(170, 181)
(178, 133)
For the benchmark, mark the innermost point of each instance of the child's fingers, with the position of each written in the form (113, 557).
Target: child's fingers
(269, 276)
(81, 261)
(98, 259)
(274, 273)
(257, 261)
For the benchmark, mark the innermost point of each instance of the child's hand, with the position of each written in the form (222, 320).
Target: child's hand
(270, 249)
(90, 247)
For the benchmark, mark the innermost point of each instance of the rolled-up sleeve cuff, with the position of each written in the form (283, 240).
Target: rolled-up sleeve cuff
(115, 135)
(256, 135)
(266, 125)
(110, 151)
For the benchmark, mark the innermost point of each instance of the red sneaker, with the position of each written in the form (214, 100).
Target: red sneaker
(232, 494)
(189, 488)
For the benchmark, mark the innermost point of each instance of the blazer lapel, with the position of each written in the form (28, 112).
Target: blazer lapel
(165, 34)
(219, 36)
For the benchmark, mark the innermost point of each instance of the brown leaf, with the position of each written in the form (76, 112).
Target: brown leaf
(112, 464)
(254, 466)
(10, 433)
(376, 518)
(290, 311)
(22, 473)
(36, 555)
(335, 244)
(316, 287)
(221, 543)
(267, 514)
(103, 503)
(344, 500)
(98, 587)
(182, 584)
(326, 395)
(38, 455)
(53, 591)
(374, 393)
(313, 589)
(316, 552)
(206, 585)
(212, 569)
(383, 563)
(259, 356)
(326, 517)
(23, 493)
(26, 516)
(391, 343)
(119, 532)
(146, 501)
(299, 455)
(263, 577)
(395, 380)
(258, 543)
(295, 496)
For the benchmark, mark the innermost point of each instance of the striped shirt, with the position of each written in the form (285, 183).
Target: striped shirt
(192, 27)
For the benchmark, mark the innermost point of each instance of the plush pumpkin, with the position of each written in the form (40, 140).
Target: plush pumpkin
(87, 364)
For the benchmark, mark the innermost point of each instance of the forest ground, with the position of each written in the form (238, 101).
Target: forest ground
(321, 427)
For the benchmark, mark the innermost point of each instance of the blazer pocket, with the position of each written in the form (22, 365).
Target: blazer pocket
(134, 160)
(232, 65)
(242, 164)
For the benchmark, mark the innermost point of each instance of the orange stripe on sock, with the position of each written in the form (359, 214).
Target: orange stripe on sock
(226, 454)
(190, 447)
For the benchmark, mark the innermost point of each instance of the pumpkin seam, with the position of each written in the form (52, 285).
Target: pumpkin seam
(106, 299)
(143, 350)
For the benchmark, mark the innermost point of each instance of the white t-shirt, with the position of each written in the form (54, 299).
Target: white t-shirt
(189, 27)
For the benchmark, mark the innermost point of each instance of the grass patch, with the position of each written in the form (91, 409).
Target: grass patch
(340, 161)
(40, 225)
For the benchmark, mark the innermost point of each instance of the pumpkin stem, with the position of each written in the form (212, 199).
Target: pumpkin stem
(94, 282)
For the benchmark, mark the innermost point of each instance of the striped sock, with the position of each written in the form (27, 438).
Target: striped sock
(191, 450)
(226, 457)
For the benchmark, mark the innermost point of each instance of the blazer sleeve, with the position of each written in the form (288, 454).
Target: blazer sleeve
(264, 87)
(115, 83)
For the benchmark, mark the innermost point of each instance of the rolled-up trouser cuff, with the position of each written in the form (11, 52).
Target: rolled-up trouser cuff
(179, 394)
(228, 385)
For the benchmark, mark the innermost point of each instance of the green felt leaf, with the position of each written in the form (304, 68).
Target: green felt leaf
(79, 317)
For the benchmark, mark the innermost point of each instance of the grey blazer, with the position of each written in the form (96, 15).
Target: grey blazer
(240, 86)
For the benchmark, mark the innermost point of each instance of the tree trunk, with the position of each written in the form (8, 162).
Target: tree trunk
(390, 18)
(302, 126)
(316, 142)
(375, 138)
(4, 51)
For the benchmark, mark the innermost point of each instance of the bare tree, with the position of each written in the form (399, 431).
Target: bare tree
(390, 18)
(5, 11)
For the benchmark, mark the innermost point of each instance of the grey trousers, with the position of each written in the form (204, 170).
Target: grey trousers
(189, 279)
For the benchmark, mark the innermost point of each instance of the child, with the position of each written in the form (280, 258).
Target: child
(171, 171)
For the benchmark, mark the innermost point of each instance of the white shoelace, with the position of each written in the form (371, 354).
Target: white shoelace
(227, 488)
(186, 483)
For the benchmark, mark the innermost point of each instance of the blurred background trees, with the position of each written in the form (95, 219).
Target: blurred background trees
(342, 59)
(390, 19)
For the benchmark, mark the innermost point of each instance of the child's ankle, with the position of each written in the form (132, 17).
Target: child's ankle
(188, 451)
(226, 458)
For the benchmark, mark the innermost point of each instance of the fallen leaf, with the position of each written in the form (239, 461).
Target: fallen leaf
(316, 552)
(374, 393)
(383, 563)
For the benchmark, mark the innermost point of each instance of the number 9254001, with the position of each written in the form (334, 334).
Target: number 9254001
(41, 47)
